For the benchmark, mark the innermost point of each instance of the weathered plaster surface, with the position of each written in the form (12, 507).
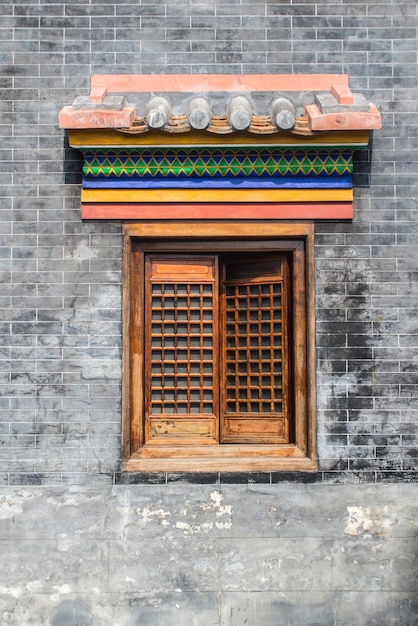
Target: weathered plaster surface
(180, 554)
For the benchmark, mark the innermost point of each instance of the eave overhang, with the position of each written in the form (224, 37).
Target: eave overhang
(213, 147)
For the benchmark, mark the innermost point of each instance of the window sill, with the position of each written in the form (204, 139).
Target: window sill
(221, 459)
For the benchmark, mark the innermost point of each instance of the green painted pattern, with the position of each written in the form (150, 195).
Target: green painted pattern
(216, 162)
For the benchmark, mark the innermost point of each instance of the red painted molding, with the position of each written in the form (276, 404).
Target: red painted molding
(343, 94)
(96, 118)
(125, 83)
(343, 120)
(288, 210)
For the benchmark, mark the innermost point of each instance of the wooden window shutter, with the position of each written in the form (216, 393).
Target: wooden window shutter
(202, 348)
(254, 350)
(181, 343)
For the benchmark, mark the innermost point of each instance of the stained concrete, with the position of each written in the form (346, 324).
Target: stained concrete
(205, 555)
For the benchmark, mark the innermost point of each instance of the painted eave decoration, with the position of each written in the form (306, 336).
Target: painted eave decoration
(219, 146)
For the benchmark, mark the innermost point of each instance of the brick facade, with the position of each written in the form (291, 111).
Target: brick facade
(61, 278)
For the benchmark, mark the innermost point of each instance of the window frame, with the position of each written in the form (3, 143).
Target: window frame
(164, 237)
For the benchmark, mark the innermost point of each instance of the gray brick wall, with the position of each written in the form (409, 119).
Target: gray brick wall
(60, 342)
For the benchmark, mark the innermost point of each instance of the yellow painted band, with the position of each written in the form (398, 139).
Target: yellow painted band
(97, 138)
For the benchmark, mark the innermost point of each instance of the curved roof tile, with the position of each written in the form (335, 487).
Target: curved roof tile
(259, 104)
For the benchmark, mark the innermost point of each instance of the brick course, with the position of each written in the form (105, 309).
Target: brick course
(60, 342)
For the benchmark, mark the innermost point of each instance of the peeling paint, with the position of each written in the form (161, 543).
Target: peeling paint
(62, 589)
(9, 509)
(373, 521)
(218, 515)
(148, 514)
(13, 592)
(216, 500)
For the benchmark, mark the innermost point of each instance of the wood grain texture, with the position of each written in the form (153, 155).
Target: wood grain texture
(261, 440)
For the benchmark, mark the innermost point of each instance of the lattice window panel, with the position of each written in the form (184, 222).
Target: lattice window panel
(216, 327)
(254, 353)
(182, 349)
(181, 373)
(254, 385)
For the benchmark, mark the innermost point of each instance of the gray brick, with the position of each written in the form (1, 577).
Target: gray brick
(64, 299)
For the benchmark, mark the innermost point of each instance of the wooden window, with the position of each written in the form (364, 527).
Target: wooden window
(254, 382)
(181, 368)
(218, 360)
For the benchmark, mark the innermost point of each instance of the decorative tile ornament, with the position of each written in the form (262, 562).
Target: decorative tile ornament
(222, 167)
(206, 141)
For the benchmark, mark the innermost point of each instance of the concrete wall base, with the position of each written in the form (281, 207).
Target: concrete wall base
(205, 555)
